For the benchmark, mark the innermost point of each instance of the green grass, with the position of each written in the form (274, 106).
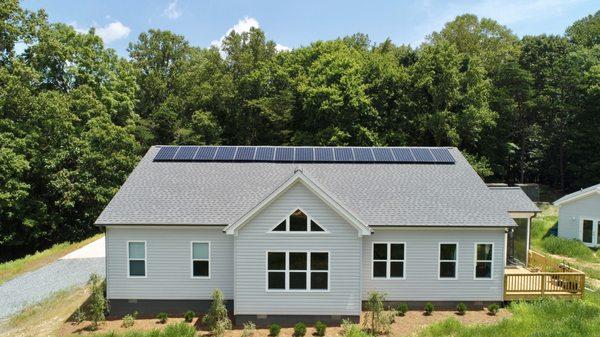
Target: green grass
(568, 247)
(11, 269)
(181, 329)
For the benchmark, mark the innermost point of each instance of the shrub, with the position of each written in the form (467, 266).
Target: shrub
(402, 309)
(97, 304)
(350, 329)
(493, 308)
(378, 321)
(129, 320)
(216, 319)
(461, 308)
(320, 328)
(299, 329)
(79, 316)
(274, 330)
(189, 316)
(249, 329)
(429, 308)
(220, 328)
(162, 317)
(180, 329)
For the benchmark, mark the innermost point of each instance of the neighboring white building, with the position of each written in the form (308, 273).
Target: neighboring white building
(302, 234)
(579, 216)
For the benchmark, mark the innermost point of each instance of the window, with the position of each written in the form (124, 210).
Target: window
(388, 260)
(298, 221)
(483, 260)
(136, 254)
(588, 230)
(200, 259)
(298, 271)
(447, 266)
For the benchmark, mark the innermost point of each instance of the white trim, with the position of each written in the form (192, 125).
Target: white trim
(287, 271)
(440, 261)
(309, 218)
(577, 195)
(145, 258)
(313, 187)
(476, 261)
(192, 260)
(388, 261)
(595, 228)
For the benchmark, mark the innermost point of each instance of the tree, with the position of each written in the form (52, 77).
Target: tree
(585, 32)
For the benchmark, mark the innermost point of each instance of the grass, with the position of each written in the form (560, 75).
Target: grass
(180, 329)
(11, 269)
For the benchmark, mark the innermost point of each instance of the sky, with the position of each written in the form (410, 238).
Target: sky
(293, 24)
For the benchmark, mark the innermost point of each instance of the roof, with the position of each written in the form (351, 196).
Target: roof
(514, 199)
(380, 194)
(578, 195)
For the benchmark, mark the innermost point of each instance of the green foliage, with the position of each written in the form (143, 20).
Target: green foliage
(320, 328)
(179, 330)
(378, 321)
(274, 330)
(249, 329)
(129, 320)
(461, 308)
(79, 316)
(350, 329)
(568, 247)
(189, 316)
(97, 301)
(162, 317)
(402, 309)
(493, 309)
(299, 329)
(429, 308)
(216, 319)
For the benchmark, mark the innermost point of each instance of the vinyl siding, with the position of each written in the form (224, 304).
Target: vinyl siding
(168, 270)
(571, 213)
(342, 242)
(421, 271)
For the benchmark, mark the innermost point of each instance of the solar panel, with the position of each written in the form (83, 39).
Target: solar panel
(323, 154)
(284, 154)
(166, 153)
(343, 154)
(225, 153)
(264, 153)
(442, 155)
(383, 154)
(363, 154)
(403, 155)
(304, 154)
(186, 153)
(245, 153)
(422, 155)
(205, 153)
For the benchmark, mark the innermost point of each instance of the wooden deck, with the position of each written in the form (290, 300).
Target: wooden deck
(542, 278)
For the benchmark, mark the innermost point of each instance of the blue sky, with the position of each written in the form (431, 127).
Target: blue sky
(296, 23)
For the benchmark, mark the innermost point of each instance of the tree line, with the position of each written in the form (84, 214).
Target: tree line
(75, 117)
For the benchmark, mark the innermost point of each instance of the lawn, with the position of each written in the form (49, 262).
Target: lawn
(11, 269)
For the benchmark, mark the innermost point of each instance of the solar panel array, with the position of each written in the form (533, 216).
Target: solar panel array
(305, 154)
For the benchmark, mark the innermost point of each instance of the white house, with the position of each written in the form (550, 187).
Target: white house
(305, 233)
(579, 216)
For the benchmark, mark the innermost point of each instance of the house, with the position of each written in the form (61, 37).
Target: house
(579, 216)
(303, 233)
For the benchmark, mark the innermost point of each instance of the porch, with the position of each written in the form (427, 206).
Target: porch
(542, 278)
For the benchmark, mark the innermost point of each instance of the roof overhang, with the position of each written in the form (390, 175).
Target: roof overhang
(299, 177)
(576, 196)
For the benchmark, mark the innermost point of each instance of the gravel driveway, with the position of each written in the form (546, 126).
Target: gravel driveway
(32, 287)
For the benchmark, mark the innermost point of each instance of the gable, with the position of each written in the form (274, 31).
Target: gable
(587, 205)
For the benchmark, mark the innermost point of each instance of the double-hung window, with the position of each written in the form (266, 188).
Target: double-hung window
(388, 260)
(483, 260)
(136, 255)
(448, 260)
(298, 271)
(200, 259)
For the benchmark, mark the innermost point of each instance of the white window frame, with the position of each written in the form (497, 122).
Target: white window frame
(192, 260)
(476, 261)
(130, 259)
(439, 258)
(287, 271)
(309, 218)
(595, 228)
(388, 261)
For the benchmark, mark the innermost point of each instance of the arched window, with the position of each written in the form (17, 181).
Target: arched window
(298, 221)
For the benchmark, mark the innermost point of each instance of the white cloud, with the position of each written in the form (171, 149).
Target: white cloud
(111, 32)
(280, 47)
(172, 11)
(241, 26)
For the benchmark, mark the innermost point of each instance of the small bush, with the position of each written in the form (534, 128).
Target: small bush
(320, 328)
(402, 309)
(493, 309)
(274, 330)
(249, 329)
(180, 329)
(129, 320)
(216, 319)
(79, 316)
(350, 329)
(220, 328)
(461, 308)
(97, 304)
(162, 317)
(429, 308)
(377, 321)
(299, 329)
(189, 316)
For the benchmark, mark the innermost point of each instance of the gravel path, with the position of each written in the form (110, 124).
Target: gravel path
(37, 285)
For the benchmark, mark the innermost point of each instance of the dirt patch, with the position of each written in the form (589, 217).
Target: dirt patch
(410, 324)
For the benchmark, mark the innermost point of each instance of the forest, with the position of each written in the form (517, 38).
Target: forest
(75, 117)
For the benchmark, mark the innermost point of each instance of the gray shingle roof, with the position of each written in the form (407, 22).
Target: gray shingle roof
(219, 193)
(574, 195)
(514, 199)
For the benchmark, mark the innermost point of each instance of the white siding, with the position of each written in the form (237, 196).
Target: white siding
(168, 263)
(570, 214)
(421, 281)
(342, 242)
